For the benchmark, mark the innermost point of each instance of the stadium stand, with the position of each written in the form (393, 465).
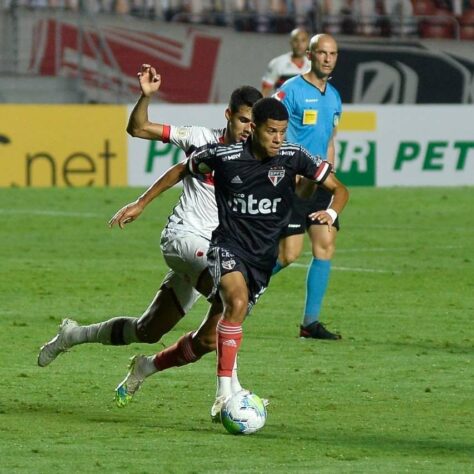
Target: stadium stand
(395, 18)
(81, 43)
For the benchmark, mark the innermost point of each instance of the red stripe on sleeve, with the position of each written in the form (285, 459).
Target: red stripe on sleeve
(165, 138)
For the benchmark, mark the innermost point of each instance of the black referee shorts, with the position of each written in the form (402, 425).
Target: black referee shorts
(299, 220)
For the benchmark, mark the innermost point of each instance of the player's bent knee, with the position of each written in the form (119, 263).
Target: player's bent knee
(288, 258)
(204, 343)
(236, 307)
(146, 334)
(325, 252)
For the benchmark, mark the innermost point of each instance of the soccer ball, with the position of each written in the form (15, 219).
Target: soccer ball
(243, 413)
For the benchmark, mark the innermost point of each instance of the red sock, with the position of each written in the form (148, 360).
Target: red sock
(180, 353)
(229, 337)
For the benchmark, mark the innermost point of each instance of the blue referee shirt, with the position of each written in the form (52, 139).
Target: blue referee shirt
(313, 114)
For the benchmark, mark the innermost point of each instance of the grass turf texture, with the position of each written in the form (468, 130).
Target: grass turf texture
(395, 395)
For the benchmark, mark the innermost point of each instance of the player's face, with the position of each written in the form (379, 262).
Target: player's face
(299, 44)
(239, 123)
(268, 137)
(323, 57)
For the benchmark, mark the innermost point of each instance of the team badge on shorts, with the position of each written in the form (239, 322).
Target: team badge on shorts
(275, 175)
(228, 264)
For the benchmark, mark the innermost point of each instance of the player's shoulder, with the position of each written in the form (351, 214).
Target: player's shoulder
(281, 59)
(204, 150)
(231, 150)
(290, 147)
(292, 82)
(333, 91)
(297, 150)
(289, 88)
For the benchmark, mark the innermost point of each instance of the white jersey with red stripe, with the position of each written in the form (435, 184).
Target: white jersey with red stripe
(196, 210)
(282, 68)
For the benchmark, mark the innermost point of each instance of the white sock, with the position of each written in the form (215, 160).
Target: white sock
(148, 367)
(101, 332)
(224, 386)
(235, 384)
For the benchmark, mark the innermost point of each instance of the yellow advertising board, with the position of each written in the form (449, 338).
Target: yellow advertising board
(358, 121)
(63, 145)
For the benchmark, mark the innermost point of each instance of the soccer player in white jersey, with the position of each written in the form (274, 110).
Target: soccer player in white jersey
(254, 186)
(287, 65)
(185, 239)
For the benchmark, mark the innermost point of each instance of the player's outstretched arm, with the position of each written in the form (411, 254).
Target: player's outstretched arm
(138, 123)
(340, 198)
(132, 211)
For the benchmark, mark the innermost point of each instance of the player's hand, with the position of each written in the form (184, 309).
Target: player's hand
(127, 214)
(323, 218)
(150, 80)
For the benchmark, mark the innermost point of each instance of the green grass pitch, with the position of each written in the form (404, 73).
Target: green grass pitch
(395, 395)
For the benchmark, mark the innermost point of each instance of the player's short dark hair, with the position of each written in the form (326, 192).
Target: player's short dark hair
(268, 108)
(244, 95)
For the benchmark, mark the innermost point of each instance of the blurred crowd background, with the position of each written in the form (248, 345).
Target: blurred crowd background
(384, 18)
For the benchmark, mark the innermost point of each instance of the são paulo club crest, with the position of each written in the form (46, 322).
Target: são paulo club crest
(276, 174)
(228, 264)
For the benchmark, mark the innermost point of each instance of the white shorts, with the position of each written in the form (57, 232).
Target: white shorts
(185, 254)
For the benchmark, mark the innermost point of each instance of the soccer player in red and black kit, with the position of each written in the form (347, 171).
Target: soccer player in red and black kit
(254, 186)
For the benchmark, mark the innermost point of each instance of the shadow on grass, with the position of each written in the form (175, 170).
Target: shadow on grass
(433, 445)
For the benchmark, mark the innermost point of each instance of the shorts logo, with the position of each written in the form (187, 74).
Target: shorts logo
(228, 264)
(275, 175)
(199, 253)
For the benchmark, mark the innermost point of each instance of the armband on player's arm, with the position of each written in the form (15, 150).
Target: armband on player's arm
(322, 172)
(196, 166)
(165, 135)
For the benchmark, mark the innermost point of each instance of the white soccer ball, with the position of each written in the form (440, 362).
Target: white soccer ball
(243, 413)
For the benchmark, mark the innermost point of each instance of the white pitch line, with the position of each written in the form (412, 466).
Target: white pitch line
(34, 212)
(389, 249)
(348, 269)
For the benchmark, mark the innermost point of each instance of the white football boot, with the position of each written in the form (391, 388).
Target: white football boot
(217, 407)
(57, 345)
(132, 382)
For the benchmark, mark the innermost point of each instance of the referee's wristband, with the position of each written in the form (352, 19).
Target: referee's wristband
(332, 213)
